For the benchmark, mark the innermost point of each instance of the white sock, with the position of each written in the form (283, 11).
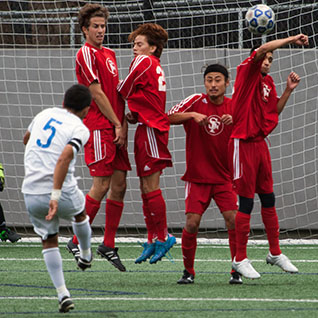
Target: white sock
(83, 232)
(53, 262)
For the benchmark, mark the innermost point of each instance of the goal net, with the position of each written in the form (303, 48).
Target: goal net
(38, 44)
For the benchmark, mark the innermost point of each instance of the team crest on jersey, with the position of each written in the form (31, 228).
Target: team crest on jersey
(266, 92)
(214, 126)
(111, 66)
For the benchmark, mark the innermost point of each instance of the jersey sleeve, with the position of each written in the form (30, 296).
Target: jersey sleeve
(86, 64)
(248, 70)
(185, 105)
(138, 68)
(79, 139)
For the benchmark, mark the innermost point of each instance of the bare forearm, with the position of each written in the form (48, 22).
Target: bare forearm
(283, 100)
(179, 118)
(106, 109)
(62, 166)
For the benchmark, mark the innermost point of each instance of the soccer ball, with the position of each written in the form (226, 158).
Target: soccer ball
(260, 19)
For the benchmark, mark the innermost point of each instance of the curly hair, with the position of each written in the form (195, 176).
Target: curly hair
(155, 34)
(89, 11)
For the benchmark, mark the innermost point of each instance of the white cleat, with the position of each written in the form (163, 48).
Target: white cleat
(281, 261)
(246, 269)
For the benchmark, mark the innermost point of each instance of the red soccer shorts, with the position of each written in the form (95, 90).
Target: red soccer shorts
(102, 156)
(199, 195)
(251, 167)
(151, 150)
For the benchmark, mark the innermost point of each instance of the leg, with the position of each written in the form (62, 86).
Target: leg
(114, 209)
(270, 220)
(229, 218)
(53, 262)
(149, 246)
(150, 188)
(94, 197)
(242, 229)
(83, 232)
(189, 246)
(114, 206)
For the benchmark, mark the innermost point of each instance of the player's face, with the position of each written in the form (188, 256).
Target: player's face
(267, 63)
(142, 47)
(215, 85)
(95, 32)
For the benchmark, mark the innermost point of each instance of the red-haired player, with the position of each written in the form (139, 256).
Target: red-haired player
(144, 88)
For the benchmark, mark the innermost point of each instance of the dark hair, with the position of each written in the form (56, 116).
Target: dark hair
(89, 11)
(217, 68)
(77, 97)
(155, 34)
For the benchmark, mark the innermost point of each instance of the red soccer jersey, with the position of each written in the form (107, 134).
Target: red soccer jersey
(145, 91)
(206, 146)
(254, 101)
(99, 65)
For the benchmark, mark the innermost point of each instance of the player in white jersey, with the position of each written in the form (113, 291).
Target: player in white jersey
(50, 190)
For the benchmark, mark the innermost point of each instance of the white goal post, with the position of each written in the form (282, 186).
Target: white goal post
(38, 43)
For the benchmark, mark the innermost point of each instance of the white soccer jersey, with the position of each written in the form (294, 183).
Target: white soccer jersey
(51, 130)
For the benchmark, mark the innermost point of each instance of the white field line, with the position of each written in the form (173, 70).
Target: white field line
(203, 241)
(8, 259)
(166, 299)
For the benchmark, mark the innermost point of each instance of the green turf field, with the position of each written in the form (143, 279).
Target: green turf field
(151, 290)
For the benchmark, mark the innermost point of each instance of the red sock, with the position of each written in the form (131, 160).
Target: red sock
(232, 242)
(151, 230)
(242, 231)
(114, 210)
(189, 246)
(270, 221)
(91, 206)
(157, 208)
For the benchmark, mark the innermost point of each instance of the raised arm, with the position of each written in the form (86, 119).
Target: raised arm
(300, 40)
(293, 80)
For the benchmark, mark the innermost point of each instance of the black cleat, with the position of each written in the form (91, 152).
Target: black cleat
(187, 278)
(7, 234)
(66, 304)
(111, 255)
(73, 248)
(236, 279)
(84, 264)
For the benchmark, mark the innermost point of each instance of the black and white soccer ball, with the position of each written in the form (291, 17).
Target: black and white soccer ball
(260, 19)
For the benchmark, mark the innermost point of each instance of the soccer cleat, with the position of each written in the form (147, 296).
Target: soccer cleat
(111, 255)
(161, 248)
(187, 278)
(235, 279)
(66, 304)
(245, 268)
(148, 251)
(73, 248)
(7, 234)
(281, 261)
(84, 264)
